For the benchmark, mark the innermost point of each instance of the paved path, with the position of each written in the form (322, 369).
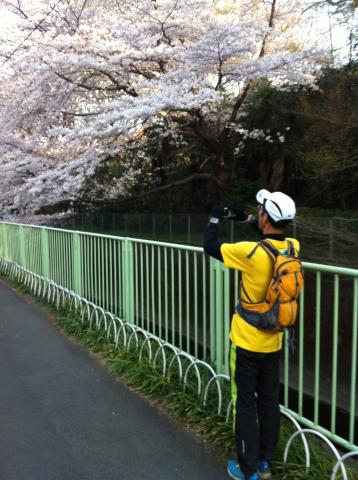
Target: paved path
(63, 417)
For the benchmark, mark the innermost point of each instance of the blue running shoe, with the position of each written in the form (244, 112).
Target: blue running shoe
(264, 470)
(235, 472)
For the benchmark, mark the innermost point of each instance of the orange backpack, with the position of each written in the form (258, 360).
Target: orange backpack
(279, 309)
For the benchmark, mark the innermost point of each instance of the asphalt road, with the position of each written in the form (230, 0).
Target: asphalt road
(63, 417)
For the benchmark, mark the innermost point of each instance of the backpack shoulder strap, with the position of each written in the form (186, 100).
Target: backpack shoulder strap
(291, 249)
(270, 249)
(253, 250)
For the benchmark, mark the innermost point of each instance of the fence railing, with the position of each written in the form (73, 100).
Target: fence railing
(330, 240)
(180, 295)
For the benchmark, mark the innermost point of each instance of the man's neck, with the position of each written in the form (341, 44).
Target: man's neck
(270, 230)
(273, 233)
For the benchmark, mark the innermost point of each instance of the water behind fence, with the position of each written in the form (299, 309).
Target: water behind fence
(177, 293)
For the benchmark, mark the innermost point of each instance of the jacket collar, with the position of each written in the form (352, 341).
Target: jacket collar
(273, 236)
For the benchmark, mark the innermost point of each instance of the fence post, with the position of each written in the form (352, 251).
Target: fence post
(128, 280)
(219, 324)
(22, 246)
(232, 232)
(45, 253)
(331, 239)
(170, 227)
(5, 251)
(294, 229)
(77, 274)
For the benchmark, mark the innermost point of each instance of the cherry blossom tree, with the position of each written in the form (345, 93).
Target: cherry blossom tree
(87, 82)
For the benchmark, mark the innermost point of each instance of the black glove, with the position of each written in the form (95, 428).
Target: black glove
(237, 213)
(218, 212)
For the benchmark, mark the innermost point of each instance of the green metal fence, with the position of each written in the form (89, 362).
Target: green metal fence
(330, 240)
(180, 295)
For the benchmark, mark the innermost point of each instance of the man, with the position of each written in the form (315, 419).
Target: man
(254, 353)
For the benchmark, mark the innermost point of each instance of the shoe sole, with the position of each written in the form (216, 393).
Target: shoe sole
(231, 475)
(265, 476)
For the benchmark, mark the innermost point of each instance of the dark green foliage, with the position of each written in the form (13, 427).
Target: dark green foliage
(319, 158)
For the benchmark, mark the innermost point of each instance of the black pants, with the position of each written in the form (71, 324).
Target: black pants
(255, 384)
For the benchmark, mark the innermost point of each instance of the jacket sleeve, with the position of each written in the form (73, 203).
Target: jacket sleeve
(211, 242)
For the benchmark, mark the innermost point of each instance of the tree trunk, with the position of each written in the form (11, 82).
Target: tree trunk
(277, 174)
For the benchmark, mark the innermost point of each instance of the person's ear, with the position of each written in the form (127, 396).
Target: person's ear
(265, 218)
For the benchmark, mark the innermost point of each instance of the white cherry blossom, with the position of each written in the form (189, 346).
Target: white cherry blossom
(82, 81)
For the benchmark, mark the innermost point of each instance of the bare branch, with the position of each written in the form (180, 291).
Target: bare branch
(20, 12)
(79, 114)
(239, 102)
(270, 24)
(126, 88)
(80, 12)
(118, 87)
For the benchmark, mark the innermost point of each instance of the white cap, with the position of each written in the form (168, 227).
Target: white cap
(278, 205)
